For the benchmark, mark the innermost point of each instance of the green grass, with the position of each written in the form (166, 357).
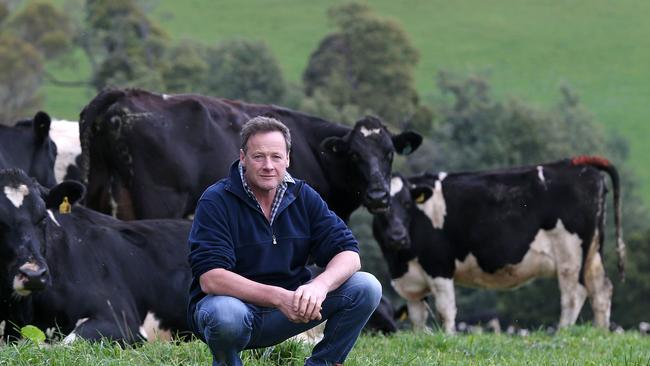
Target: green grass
(527, 49)
(577, 346)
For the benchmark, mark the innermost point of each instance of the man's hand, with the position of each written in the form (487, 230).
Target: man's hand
(286, 307)
(307, 300)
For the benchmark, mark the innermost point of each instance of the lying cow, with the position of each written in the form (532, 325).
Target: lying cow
(499, 229)
(28, 146)
(85, 273)
(90, 275)
(148, 155)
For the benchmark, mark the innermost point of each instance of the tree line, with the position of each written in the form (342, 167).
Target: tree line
(364, 66)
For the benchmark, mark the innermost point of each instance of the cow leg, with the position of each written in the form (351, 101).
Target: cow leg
(418, 314)
(599, 287)
(445, 300)
(567, 252)
(572, 295)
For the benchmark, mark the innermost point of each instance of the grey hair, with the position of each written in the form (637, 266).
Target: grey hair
(264, 124)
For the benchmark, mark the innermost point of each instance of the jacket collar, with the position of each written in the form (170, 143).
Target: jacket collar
(235, 186)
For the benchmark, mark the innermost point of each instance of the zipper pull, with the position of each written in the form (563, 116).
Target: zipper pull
(274, 241)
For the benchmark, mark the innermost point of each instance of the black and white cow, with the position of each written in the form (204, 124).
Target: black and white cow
(65, 135)
(84, 273)
(149, 155)
(28, 146)
(500, 229)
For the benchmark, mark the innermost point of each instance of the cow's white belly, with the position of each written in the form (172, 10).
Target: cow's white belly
(152, 331)
(547, 251)
(413, 285)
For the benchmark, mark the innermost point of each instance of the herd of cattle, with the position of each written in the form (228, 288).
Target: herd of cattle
(104, 255)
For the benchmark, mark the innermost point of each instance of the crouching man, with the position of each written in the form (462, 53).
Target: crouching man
(251, 239)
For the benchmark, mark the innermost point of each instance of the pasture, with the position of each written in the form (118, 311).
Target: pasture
(526, 49)
(581, 345)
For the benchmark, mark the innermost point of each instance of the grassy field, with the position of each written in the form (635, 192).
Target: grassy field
(527, 49)
(577, 346)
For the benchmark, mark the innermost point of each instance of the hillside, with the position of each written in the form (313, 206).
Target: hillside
(526, 49)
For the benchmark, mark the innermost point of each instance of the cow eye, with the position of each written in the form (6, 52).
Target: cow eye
(354, 157)
(389, 156)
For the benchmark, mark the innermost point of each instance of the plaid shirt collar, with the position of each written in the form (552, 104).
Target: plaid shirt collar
(279, 193)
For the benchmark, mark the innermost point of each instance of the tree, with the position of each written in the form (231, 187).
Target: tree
(244, 69)
(21, 76)
(475, 131)
(43, 26)
(124, 47)
(369, 62)
(186, 68)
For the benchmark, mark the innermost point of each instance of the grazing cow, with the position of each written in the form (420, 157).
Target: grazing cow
(499, 229)
(84, 273)
(147, 155)
(27, 146)
(65, 135)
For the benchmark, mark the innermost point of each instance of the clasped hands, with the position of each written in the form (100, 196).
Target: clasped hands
(304, 304)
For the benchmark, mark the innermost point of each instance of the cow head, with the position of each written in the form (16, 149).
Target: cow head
(24, 219)
(28, 146)
(369, 148)
(391, 228)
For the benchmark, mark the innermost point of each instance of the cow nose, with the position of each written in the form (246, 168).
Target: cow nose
(36, 277)
(399, 238)
(377, 200)
(377, 194)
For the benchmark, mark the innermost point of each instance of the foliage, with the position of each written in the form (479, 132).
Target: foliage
(123, 45)
(631, 296)
(319, 104)
(475, 131)
(45, 27)
(21, 68)
(246, 70)
(186, 68)
(32, 333)
(4, 11)
(369, 62)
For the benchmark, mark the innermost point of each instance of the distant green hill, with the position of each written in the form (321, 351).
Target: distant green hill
(527, 49)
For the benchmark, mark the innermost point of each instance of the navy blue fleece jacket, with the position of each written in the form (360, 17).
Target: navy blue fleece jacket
(231, 232)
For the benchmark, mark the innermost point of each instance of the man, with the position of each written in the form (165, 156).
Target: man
(252, 235)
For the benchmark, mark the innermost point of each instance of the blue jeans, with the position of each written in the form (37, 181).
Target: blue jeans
(229, 325)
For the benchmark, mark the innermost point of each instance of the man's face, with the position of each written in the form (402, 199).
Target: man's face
(266, 160)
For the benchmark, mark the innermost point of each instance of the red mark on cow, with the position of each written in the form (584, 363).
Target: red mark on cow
(590, 160)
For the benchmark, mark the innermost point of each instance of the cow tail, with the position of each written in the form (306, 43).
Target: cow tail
(605, 165)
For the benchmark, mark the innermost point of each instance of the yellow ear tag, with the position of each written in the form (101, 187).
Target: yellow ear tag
(420, 199)
(65, 206)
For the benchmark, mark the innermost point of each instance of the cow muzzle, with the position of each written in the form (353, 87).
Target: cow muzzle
(377, 201)
(398, 240)
(30, 277)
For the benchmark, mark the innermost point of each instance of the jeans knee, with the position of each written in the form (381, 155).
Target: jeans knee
(224, 318)
(369, 288)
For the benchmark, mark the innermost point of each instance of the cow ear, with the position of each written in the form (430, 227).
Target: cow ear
(407, 142)
(70, 189)
(420, 194)
(42, 123)
(336, 145)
